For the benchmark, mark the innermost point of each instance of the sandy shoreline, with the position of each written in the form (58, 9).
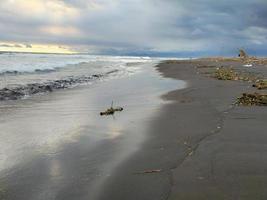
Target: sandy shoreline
(197, 146)
(57, 146)
(204, 147)
(225, 143)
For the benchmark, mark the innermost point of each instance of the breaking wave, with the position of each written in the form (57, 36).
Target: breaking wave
(20, 92)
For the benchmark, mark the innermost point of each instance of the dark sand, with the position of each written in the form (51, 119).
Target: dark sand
(203, 147)
(206, 148)
(57, 146)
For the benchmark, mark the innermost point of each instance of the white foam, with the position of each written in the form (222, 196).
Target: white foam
(21, 62)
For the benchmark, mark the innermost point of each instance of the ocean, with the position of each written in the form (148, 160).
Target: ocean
(24, 74)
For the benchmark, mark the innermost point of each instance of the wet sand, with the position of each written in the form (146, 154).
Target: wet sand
(205, 147)
(57, 146)
(226, 145)
(197, 145)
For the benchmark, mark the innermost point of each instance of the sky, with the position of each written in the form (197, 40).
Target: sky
(179, 28)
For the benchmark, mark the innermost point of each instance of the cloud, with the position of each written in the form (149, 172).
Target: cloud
(60, 30)
(130, 26)
(4, 45)
(28, 45)
(11, 45)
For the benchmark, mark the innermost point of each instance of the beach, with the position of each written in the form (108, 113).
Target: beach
(227, 143)
(55, 145)
(133, 100)
(202, 145)
(180, 136)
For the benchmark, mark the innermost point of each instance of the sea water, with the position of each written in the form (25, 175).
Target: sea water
(24, 74)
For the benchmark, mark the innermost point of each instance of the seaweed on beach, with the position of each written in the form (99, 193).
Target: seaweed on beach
(260, 84)
(251, 99)
(252, 61)
(225, 73)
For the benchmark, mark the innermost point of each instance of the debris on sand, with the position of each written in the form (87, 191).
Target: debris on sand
(172, 61)
(250, 61)
(150, 171)
(205, 66)
(260, 84)
(248, 99)
(242, 54)
(111, 110)
(225, 73)
(257, 61)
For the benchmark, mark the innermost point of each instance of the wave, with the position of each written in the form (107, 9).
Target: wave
(28, 74)
(30, 63)
(36, 71)
(23, 91)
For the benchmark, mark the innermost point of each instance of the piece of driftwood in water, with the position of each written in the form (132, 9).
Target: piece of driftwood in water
(249, 99)
(111, 110)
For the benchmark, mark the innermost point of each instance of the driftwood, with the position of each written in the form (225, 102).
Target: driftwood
(242, 54)
(111, 110)
(251, 60)
(150, 171)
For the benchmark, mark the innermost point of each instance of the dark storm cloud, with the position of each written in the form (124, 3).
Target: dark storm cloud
(130, 26)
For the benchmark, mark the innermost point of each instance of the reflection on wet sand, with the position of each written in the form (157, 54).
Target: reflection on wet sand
(57, 146)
